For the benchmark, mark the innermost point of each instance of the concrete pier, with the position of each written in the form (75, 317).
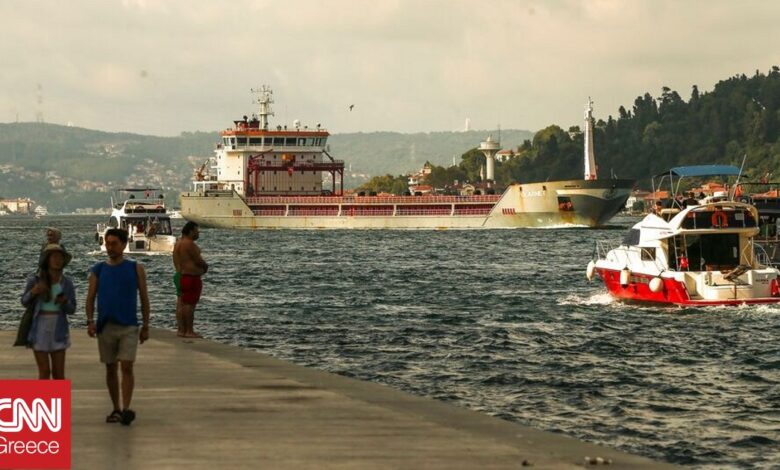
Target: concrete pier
(202, 404)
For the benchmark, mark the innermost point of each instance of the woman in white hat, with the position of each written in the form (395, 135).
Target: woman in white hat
(54, 299)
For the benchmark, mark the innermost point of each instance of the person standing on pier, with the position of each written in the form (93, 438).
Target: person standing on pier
(117, 283)
(190, 264)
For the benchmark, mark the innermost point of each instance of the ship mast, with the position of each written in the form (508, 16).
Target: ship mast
(264, 99)
(590, 157)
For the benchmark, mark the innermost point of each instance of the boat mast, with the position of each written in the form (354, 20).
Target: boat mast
(590, 158)
(264, 99)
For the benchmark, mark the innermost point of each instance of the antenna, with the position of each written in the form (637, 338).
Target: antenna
(264, 99)
(39, 110)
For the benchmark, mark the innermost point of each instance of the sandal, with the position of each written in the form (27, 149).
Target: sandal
(114, 417)
(128, 416)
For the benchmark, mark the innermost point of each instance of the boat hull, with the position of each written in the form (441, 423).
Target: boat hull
(674, 292)
(582, 203)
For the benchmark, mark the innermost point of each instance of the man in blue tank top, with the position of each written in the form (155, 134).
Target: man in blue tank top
(117, 284)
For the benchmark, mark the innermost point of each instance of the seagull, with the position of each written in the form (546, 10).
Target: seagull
(351, 106)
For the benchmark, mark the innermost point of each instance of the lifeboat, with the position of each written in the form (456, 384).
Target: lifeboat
(702, 255)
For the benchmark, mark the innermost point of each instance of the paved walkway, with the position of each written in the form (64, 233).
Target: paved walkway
(201, 404)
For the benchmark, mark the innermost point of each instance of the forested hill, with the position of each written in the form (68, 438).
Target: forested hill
(67, 167)
(740, 116)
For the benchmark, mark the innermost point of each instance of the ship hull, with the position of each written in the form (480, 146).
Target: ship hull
(576, 203)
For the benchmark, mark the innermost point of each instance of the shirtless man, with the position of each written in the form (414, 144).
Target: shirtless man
(190, 267)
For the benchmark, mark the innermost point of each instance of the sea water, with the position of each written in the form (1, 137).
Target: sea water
(499, 321)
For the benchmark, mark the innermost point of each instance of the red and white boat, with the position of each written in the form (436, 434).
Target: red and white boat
(702, 255)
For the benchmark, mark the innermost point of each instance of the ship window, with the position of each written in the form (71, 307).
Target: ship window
(290, 141)
(233, 140)
(226, 141)
(301, 141)
(290, 188)
(278, 141)
(274, 188)
(648, 254)
(255, 141)
(242, 141)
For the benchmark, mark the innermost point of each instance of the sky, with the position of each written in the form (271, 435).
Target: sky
(166, 67)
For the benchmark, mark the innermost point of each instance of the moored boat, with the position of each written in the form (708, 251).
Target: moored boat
(267, 177)
(140, 211)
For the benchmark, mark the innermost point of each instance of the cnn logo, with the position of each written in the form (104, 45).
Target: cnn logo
(34, 424)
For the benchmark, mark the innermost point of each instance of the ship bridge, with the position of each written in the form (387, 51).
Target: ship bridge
(255, 159)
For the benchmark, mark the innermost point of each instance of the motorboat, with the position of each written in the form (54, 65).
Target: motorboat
(698, 255)
(140, 211)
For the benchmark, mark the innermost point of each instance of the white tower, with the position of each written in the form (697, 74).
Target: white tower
(590, 157)
(490, 147)
(264, 99)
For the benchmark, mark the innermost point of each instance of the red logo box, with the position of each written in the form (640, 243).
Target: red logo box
(34, 424)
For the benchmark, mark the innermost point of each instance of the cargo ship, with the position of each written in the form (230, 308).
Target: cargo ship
(264, 177)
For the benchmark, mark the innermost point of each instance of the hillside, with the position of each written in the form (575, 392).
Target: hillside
(66, 168)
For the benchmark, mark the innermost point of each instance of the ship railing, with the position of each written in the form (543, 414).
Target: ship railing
(466, 211)
(269, 212)
(315, 212)
(371, 199)
(401, 212)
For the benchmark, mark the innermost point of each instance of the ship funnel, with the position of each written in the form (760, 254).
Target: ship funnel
(490, 147)
(590, 158)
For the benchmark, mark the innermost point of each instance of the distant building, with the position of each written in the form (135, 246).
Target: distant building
(18, 206)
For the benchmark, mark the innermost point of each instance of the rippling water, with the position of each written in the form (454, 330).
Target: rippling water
(500, 321)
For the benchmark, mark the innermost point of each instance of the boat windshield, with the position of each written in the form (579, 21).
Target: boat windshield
(147, 225)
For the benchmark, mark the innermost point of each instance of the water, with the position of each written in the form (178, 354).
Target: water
(499, 321)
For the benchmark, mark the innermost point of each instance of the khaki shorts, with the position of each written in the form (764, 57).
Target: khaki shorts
(117, 343)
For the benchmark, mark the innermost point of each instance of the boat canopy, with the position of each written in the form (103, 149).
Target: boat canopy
(701, 170)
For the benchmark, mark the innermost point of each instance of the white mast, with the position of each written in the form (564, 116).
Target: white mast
(590, 157)
(264, 99)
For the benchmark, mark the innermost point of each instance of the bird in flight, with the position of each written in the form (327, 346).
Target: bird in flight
(351, 106)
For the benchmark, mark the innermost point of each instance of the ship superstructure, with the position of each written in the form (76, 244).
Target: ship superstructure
(284, 177)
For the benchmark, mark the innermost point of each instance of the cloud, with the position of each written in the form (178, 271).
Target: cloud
(410, 66)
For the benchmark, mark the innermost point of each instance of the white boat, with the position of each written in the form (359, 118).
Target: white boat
(699, 255)
(142, 213)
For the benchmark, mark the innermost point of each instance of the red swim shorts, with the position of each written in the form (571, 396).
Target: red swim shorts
(191, 287)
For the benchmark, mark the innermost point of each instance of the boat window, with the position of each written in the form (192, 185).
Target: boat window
(648, 254)
(290, 142)
(713, 219)
(242, 141)
(278, 141)
(113, 222)
(310, 142)
(301, 142)
(255, 141)
(226, 140)
(233, 141)
(631, 238)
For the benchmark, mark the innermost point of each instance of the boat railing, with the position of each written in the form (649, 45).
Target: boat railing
(603, 247)
(759, 254)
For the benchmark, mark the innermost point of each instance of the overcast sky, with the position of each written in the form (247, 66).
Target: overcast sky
(163, 67)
